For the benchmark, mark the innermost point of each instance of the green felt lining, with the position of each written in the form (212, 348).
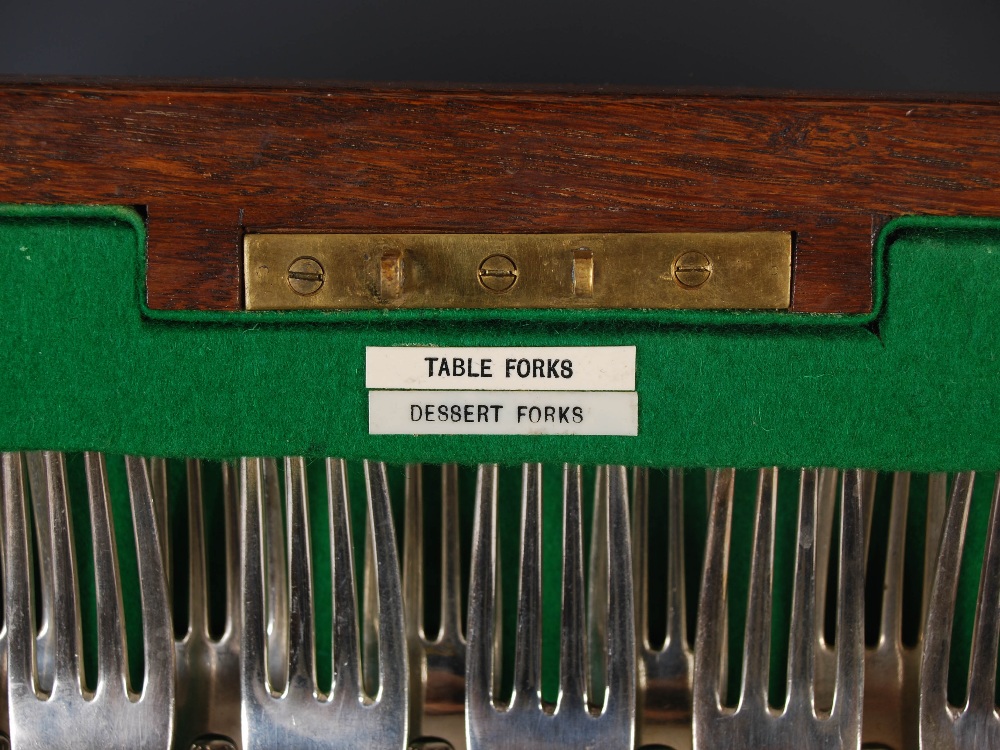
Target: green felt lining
(913, 388)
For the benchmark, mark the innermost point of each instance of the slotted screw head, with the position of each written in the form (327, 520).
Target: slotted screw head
(305, 276)
(692, 269)
(498, 273)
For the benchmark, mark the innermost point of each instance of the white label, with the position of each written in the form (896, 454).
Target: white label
(515, 368)
(502, 413)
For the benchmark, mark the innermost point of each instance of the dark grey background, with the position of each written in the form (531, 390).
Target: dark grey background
(920, 45)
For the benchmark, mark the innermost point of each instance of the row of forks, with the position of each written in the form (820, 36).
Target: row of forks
(255, 685)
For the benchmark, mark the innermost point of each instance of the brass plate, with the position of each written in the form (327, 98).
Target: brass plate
(705, 271)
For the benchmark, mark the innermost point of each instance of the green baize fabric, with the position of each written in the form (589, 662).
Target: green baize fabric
(914, 385)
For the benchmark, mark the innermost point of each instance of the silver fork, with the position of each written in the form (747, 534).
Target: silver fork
(299, 717)
(976, 724)
(892, 669)
(437, 666)
(70, 715)
(208, 667)
(570, 723)
(826, 652)
(665, 673)
(4, 715)
(753, 723)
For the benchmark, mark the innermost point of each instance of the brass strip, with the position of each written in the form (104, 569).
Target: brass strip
(705, 271)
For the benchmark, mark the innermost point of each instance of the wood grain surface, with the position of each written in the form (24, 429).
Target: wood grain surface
(208, 164)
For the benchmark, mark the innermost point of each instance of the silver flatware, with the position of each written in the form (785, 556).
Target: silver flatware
(975, 724)
(437, 664)
(208, 666)
(665, 672)
(892, 667)
(571, 722)
(753, 723)
(114, 715)
(298, 716)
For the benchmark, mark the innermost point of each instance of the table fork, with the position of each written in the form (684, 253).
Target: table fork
(69, 715)
(976, 724)
(525, 720)
(299, 717)
(753, 723)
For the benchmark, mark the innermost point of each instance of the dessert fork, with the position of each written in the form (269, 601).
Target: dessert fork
(976, 724)
(70, 715)
(571, 722)
(665, 673)
(437, 666)
(753, 723)
(208, 667)
(299, 717)
(892, 668)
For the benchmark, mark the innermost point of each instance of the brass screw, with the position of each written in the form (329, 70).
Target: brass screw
(692, 269)
(498, 273)
(305, 276)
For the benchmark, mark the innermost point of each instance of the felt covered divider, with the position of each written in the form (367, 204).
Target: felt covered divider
(915, 387)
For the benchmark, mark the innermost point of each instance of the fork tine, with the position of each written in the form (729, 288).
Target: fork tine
(197, 588)
(413, 588)
(66, 609)
(268, 484)
(301, 643)
(37, 484)
(253, 638)
(937, 506)
(159, 483)
(481, 630)
(369, 617)
(620, 693)
(346, 654)
(451, 561)
(869, 484)
(847, 698)
(824, 544)
(640, 547)
(527, 659)
(393, 677)
(4, 712)
(413, 558)
(892, 589)
(676, 607)
(112, 675)
(801, 646)
(157, 624)
(18, 581)
(937, 638)
(757, 638)
(709, 634)
(986, 632)
(573, 653)
(597, 597)
(230, 499)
